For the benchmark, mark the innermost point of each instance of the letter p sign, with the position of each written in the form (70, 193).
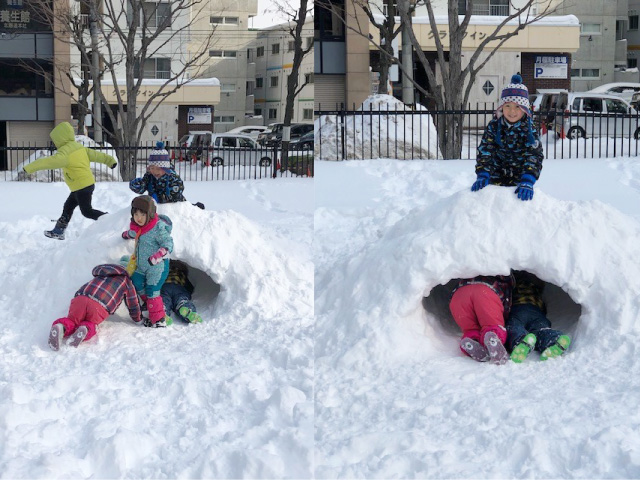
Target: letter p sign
(539, 71)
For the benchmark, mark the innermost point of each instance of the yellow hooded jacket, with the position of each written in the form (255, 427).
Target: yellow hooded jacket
(72, 158)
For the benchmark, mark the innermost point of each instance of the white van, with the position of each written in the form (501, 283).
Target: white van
(587, 114)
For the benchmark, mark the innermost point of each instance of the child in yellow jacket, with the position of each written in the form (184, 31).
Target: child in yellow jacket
(74, 160)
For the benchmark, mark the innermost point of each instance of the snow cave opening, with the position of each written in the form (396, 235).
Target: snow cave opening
(562, 311)
(205, 292)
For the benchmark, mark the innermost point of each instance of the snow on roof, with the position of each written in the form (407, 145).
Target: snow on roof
(607, 86)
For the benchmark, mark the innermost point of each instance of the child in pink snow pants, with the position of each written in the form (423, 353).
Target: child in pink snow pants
(480, 306)
(93, 302)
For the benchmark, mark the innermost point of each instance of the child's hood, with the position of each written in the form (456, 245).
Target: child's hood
(62, 134)
(167, 221)
(109, 270)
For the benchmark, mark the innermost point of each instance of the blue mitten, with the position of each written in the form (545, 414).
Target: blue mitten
(525, 187)
(481, 182)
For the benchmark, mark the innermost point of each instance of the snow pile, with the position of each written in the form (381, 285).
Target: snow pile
(376, 133)
(101, 172)
(395, 397)
(231, 397)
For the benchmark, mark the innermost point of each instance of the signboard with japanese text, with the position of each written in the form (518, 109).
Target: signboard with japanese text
(199, 115)
(19, 16)
(551, 66)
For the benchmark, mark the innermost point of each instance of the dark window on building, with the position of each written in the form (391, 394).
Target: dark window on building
(328, 23)
(633, 22)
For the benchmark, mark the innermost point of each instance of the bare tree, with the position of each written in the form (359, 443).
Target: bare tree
(449, 84)
(295, 27)
(128, 33)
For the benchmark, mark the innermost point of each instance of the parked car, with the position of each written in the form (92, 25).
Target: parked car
(250, 130)
(272, 129)
(194, 143)
(635, 100)
(305, 142)
(231, 149)
(543, 107)
(612, 116)
(274, 139)
(623, 90)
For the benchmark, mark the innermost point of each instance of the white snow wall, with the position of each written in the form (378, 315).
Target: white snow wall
(588, 249)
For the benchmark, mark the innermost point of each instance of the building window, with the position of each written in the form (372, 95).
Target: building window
(633, 22)
(385, 9)
(223, 53)
(249, 87)
(228, 87)
(224, 20)
(620, 30)
(291, 46)
(307, 114)
(275, 48)
(156, 14)
(273, 81)
(159, 68)
(632, 62)
(257, 111)
(328, 22)
(260, 52)
(308, 77)
(259, 82)
(590, 28)
(224, 119)
(273, 113)
(585, 73)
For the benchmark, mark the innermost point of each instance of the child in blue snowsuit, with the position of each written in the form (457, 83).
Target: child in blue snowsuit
(149, 264)
(176, 293)
(510, 152)
(161, 182)
(528, 327)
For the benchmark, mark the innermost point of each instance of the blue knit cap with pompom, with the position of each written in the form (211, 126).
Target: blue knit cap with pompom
(518, 93)
(159, 156)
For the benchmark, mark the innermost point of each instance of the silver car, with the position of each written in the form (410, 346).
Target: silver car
(228, 149)
(587, 114)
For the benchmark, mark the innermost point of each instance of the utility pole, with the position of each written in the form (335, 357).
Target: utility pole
(95, 70)
(407, 57)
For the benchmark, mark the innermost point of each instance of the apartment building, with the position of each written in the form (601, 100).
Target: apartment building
(633, 38)
(231, 60)
(29, 104)
(541, 52)
(274, 51)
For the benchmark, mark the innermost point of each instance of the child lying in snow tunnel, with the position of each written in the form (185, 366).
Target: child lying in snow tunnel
(480, 306)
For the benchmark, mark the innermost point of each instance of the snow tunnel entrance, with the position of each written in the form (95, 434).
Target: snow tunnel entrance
(205, 291)
(562, 311)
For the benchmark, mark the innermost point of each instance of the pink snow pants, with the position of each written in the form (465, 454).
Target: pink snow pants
(83, 311)
(477, 310)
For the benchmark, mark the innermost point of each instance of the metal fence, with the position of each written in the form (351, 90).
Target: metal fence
(408, 134)
(201, 164)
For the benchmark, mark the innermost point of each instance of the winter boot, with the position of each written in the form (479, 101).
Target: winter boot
(472, 348)
(497, 353)
(190, 315)
(523, 348)
(55, 335)
(557, 349)
(78, 336)
(163, 322)
(58, 230)
(55, 233)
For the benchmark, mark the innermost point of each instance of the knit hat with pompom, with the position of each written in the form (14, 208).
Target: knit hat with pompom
(517, 93)
(159, 156)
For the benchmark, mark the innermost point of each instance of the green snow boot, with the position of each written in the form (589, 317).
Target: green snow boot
(521, 350)
(557, 349)
(190, 315)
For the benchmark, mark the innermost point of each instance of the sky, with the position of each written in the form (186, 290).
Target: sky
(270, 14)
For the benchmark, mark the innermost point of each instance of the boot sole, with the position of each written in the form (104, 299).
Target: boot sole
(56, 333)
(474, 350)
(78, 337)
(497, 353)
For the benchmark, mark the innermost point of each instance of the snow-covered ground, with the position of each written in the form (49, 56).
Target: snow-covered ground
(394, 396)
(229, 398)
(329, 351)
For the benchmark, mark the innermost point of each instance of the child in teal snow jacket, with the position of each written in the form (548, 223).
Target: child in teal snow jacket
(149, 264)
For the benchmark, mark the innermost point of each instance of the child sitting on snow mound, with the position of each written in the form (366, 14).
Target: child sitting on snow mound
(74, 160)
(161, 181)
(510, 152)
(149, 264)
(528, 327)
(93, 303)
(479, 306)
